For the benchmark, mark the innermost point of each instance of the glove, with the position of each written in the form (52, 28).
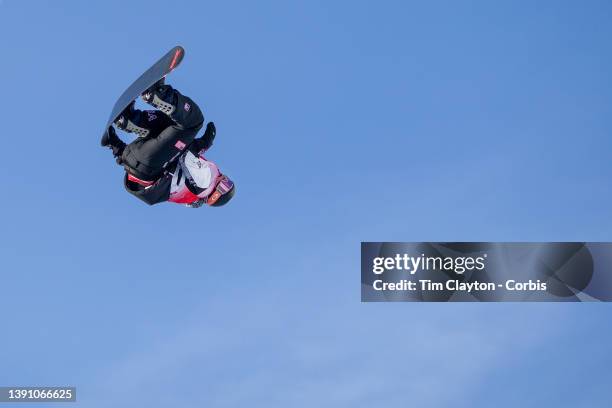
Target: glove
(108, 136)
(211, 130)
(209, 135)
(196, 204)
(111, 140)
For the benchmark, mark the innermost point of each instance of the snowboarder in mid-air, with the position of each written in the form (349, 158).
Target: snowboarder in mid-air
(166, 162)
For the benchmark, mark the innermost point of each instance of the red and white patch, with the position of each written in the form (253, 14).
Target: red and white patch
(179, 145)
(187, 106)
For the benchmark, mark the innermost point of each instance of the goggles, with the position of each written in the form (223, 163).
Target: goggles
(224, 185)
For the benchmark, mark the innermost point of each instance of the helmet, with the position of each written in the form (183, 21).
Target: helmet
(224, 192)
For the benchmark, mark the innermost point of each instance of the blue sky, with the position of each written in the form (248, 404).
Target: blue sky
(340, 122)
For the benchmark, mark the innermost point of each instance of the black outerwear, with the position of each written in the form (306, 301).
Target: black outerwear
(148, 157)
(154, 194)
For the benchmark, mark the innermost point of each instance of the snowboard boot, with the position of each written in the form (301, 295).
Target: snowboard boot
(161, 96)
(128, 119)
(111, 140)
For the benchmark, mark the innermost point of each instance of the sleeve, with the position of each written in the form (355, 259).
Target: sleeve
(154, 194)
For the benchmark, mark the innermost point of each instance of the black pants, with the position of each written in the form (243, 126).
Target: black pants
(169, 136)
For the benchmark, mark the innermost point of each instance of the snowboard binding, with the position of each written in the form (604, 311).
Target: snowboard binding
(125, 121)
(158, 94)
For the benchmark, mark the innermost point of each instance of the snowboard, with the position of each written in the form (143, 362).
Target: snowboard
(160, 69)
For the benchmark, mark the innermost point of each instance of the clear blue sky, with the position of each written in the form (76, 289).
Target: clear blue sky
(340, 122)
